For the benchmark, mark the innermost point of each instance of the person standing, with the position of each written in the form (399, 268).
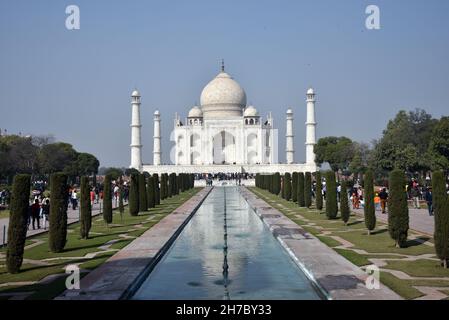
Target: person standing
(74, 199)
(45, 211)
(415, 197)
(429, 201)
(35, 211)
(383, 195)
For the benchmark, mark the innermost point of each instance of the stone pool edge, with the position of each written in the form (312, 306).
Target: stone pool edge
(329, 271)
(121, 275)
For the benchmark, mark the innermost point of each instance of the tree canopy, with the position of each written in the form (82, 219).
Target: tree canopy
(337, 151)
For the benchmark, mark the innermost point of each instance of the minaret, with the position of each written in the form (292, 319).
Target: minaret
(157, 139)
(310, 127)
(289, 149)
(136, 145)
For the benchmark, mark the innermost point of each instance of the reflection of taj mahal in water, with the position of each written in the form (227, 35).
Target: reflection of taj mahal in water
(223, 134)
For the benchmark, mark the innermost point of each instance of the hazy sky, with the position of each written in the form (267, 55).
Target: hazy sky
(77, 84)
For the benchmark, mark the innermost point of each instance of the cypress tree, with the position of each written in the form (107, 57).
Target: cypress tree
(398, 208)
(369, 208)
(121, 207)
(288, 186)
(175, 184)
(308, 190)
(283, 187)
(301, 194)
(344, 204)
(134, 195)
(441, 210)
(178, 183)
(151, 198)
(157, 191)
(143, 203)
(18, 218)
(107, 199)
(163, 194)
(319, 192)
(272, 183)
(192, 181)
(295, 176)
(331, 195)
(170, 186)
(85, 209)
(57, 236)
(277, 183)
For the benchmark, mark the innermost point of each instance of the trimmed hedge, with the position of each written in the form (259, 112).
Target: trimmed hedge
(344, 203)
(134, 195)
(331, 195)
(151, 193)
(107, 199)
(57, 235)
(398, 218)
(85, 208)
(308, 190)
(295, 176)
(143, 203)
(18, 222)
(319, 191)
(441, 210)
(369, 209)
(288, 186)
(301, 194)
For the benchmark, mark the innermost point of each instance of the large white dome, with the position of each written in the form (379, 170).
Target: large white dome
(223, 97)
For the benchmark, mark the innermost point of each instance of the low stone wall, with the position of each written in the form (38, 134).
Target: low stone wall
(335, 276)
(120, 275)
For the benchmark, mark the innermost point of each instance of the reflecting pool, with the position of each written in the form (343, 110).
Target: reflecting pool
(226, 252)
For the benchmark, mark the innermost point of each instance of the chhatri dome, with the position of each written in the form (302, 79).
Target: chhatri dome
(250, 112)
(195, 112)
(223, 97)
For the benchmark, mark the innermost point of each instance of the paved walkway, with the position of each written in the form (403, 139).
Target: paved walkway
(120, 275)
(419, 220)
(339, 278)
(72, 217)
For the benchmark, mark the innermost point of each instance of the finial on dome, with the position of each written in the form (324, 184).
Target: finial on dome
(222, 65)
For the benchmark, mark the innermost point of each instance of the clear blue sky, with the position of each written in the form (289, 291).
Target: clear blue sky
(77, 84)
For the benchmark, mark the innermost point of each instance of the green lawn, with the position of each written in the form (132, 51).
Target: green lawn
(77, 248)
(377, 246)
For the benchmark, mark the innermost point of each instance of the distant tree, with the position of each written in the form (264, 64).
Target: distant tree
(151, 197)
(295, 186)
(368, 208)
(58, 157)
(301, 194)
(308, 190)
(337, 151)
(439, 145)
(143, 202)
(107, 199)
(178, 183)
(331, 195)
(398, 218)
(18, 218)
(87, 164)
(115, 173)
(319, 191)
(283, 187)
(170, 186)
(441, 209)
(85, 208)
(404, 142)
(288, 186)
(344, 205)
(57, 236)
(134, 195)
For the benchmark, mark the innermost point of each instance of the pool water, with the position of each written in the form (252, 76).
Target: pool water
(226, 252)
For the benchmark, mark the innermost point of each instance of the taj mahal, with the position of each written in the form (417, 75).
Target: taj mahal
(224, 135)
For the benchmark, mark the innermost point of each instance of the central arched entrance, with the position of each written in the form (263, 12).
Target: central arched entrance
(224, 148)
